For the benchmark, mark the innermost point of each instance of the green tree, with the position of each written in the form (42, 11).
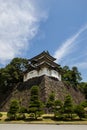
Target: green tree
(85, 90)
(84, 103)
(13, 110)
(68, 106)
(71, 76)
(12, 73)
(16, 67)
(76, 75)
(4, 79)
(79, 110)
(66, 73)
(35, 104)
(21, 113)
(50, 102)
(1, 115)
(58, 108)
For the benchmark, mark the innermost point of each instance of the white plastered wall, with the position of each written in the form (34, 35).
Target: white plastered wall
(43, 71)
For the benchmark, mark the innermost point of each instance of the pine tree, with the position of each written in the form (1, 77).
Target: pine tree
(50, 102)
(35, 105)
(68, 106)
(13, 110)
(58, 109)
(79, 110)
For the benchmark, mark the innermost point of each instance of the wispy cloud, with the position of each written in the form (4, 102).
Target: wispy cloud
(81, 65)
(67, 46)
(19, 23)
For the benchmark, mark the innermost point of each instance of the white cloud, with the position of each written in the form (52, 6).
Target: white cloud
(19, 23)
(81, 65)
(67, 46)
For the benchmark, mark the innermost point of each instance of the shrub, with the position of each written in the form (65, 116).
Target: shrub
(1, 115)
(21, 116)
(13, 110)
(79, 110)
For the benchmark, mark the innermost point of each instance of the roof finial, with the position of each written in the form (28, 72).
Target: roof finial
(47, 51)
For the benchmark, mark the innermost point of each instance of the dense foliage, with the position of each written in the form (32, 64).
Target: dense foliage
(12, 73)
(35, 104)
(50, 102)
(13, 109)
(0, 114)
(83, 88)
(72, 76)
(80, 111)
(66, 110)
(68, 106)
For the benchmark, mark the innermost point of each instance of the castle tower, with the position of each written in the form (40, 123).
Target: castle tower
(42, 64)
(45, 73)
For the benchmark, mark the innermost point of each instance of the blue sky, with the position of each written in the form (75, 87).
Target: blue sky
(28, 27)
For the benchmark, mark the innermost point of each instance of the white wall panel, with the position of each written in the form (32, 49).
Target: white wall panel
(43, 71)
